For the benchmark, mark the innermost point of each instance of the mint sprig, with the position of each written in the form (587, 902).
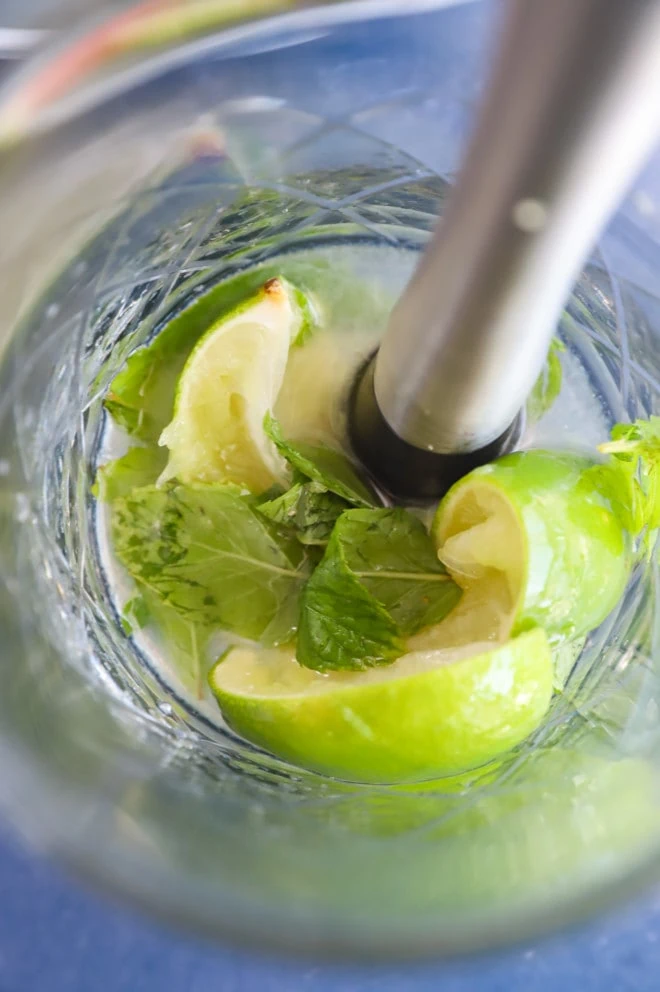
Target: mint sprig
(631, 476)
(325, 484)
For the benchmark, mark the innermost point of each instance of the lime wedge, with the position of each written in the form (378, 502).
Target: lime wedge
(228, 384)
(428, 714)
(532, 533)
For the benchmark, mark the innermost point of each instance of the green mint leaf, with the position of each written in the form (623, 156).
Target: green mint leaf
(206, 552)
(310, 513)
(631, 476)
(272, 493)
(138, 467)
(310, 318)
(394, 557)
(342, 626)
(379, 582)
(280, 506)
(328, 468)
(548, 385)
(184, 642)
(135, 614)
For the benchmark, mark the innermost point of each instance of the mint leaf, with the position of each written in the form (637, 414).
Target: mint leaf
(328, 468)
(548, 385)
(342, 626)
(135, 614)
(309, 314)
(310, 511)
(379, 582)
(185, 642)
(394, 557)
(631, 476)
(138, 467)
(206, 552)
(325, 484)
(617, 483)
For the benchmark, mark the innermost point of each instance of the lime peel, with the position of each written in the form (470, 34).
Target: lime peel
(427, 714)
(559, 542)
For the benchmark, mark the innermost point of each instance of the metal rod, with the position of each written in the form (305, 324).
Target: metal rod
(570, 114)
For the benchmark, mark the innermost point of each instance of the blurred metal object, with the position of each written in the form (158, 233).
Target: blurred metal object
(571, 113)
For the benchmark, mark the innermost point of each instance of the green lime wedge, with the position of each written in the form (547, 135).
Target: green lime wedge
(228, 384)
(428, 714)
(534, 527)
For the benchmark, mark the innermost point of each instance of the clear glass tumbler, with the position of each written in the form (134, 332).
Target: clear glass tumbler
(146, 156)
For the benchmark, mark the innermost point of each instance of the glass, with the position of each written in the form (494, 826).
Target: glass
(134, 175)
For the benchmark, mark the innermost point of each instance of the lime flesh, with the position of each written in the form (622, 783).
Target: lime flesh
(534, 526)
(229, 383)
(310, 404)
(428, 714)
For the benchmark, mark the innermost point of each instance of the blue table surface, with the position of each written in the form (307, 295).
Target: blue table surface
(56, 936)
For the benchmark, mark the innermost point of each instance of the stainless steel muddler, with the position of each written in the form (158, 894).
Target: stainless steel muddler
(570, 114)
